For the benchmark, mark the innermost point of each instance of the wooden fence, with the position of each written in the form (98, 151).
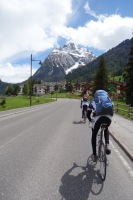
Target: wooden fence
(124, 109)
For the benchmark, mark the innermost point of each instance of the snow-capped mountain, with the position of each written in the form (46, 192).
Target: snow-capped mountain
(63, 60)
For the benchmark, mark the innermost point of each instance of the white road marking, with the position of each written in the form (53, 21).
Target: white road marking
(12, 140)
(125, 163)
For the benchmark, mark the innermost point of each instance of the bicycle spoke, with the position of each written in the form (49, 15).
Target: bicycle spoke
(102, 160)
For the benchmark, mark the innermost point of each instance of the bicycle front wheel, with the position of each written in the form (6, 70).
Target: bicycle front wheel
(102, 161)
(85, 114)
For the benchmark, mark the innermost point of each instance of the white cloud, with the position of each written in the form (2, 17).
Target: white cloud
(32, 26)
(89, 11)
(15, 73)
(93, 13)
(28, 26)
(103, 34)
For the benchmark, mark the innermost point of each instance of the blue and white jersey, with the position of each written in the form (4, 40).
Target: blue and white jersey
(95, 118)
(85, 103)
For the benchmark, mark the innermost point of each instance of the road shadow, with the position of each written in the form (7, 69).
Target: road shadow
(79, 186)
(79, 122)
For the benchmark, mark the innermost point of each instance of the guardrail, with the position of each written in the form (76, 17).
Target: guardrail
(124, 109)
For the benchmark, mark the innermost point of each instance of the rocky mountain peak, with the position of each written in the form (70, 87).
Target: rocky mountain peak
(70, 46)
(63, 60)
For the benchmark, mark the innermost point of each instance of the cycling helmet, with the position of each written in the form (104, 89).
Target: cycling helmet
(85, 98)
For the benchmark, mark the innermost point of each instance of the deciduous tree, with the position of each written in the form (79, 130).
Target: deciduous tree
(26, 89)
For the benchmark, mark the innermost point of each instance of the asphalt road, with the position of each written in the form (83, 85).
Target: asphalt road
(38, 149)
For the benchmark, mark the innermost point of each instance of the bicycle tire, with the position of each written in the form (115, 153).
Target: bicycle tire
(102, 160)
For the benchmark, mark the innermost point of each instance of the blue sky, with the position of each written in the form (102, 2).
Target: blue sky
(37, 28)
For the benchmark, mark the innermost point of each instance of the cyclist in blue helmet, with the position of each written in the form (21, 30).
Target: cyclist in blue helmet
(96, 123)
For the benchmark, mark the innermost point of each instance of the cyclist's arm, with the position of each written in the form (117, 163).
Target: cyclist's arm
(92, 107)
(81, 103)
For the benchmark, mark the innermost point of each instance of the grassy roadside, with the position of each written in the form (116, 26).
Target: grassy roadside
(123, 109)
(24, 101)
(64, 95)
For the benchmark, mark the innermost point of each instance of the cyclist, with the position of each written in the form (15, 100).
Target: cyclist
(96, 123)
(84, 104)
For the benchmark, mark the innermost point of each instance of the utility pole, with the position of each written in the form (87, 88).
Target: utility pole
(31, 78)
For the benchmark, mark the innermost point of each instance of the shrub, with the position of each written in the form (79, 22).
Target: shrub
(3, 103)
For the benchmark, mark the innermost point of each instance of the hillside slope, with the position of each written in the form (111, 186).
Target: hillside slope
(115, 59)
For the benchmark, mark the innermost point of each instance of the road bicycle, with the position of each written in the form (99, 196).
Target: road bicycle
(101, 149)
(84, 112)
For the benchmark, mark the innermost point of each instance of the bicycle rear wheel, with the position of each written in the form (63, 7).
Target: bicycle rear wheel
(102, 161)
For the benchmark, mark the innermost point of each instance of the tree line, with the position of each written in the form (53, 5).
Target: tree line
(116, 60)
(101, 79)
(14, 89)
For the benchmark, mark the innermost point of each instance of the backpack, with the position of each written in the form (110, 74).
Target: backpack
(103, 103)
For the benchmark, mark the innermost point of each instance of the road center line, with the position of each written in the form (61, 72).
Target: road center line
(18, 136)
(13, 139)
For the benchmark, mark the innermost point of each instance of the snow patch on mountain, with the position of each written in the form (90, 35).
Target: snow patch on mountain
(75, 66)
(63, 60)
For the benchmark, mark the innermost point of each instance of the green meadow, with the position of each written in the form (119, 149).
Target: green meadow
(23, 101)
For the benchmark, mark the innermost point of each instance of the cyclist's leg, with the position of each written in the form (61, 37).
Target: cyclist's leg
(89, 114)
(84, 108)
(93, 141)
(82, 111)
(98, 123)
(106, 136)
(107, 121)
(94, 135)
